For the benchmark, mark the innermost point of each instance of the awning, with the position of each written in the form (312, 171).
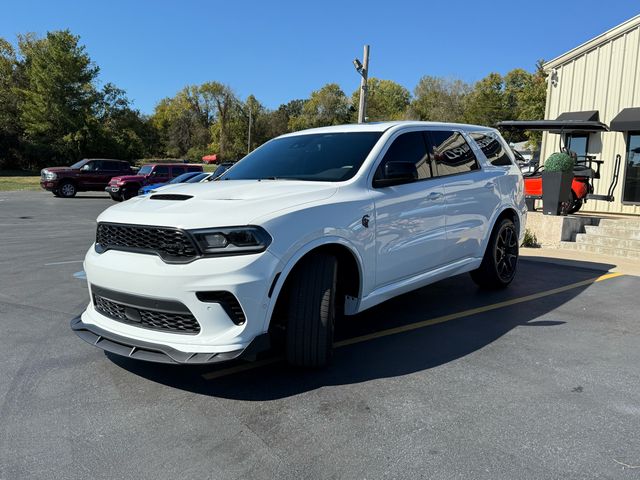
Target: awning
(628, 120)
(586, 116)
(556, 126)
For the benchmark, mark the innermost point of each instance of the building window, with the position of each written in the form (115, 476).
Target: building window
(578, 144)
(631, 193)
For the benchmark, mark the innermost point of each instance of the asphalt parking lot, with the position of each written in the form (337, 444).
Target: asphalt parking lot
(540, 381)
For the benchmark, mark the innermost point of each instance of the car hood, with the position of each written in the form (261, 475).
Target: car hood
(60, 169)
(127, 178)
(218, 204)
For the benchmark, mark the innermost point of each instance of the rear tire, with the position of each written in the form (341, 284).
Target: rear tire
(67, 189)
(311, 311)
(500, 261)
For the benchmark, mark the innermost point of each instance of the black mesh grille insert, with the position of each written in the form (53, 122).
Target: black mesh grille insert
(155, 320)
(170, 243)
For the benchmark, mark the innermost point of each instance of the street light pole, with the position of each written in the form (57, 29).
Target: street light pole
(364, 72)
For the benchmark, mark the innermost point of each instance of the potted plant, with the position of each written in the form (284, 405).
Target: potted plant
(556, 183)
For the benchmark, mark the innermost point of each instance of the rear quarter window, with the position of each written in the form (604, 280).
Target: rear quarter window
(493, 148)
(451, 153)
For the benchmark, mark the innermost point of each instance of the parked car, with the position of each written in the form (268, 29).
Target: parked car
(88, 175)
(127, 186)
(223, 167)
(309, 228)
(184, 178)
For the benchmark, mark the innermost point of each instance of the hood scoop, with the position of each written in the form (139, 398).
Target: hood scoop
(170, 196)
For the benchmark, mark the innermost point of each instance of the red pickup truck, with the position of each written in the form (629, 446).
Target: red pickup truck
(88, 175)
(127, 186)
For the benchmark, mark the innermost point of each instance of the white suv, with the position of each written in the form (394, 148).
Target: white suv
(309, 228)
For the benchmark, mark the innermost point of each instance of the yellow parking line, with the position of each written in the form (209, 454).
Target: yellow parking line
(422, 324)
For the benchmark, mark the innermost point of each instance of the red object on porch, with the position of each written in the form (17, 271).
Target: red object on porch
(210, 158)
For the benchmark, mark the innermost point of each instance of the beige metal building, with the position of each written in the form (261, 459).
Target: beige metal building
(600, 80)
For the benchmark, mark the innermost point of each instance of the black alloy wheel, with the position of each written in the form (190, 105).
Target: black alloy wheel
(506, 254)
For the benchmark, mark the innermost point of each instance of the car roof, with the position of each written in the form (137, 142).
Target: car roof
(384, 126)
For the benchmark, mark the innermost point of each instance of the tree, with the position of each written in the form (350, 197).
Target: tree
(57, 100)
(439, 99)
(224, 100)
(532, 100)
(486, 105)
(9, 114)
(327, 106)
(386, 100)
(278, 121)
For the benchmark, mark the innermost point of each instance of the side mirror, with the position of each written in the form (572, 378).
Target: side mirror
(397, 173)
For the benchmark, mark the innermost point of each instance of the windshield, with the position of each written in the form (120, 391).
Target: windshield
(318, 157)
(79, 164)
(184, 177)
(145, 170)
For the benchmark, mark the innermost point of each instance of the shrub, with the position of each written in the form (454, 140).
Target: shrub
(530, 240)
(559, 162)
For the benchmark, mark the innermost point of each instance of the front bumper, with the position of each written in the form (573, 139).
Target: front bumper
(113, 189)
(246, 277)
(155, 352)
(49, 185)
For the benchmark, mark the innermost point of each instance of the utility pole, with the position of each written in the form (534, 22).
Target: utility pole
(363, 70)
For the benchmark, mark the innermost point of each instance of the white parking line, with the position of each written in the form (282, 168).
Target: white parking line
(63, 263)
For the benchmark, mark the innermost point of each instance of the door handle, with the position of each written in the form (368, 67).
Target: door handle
(489, 185)
(434, 196)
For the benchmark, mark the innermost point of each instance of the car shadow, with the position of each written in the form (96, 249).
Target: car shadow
(480, 324)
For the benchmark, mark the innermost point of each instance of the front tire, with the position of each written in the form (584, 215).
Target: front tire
(498, 267)
(311, 311)
(67, 190)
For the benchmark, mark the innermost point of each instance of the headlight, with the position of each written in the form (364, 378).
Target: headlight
(49, 175)
(232, 240)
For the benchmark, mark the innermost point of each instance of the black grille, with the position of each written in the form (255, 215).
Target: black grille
(170, 243)
(152, 319)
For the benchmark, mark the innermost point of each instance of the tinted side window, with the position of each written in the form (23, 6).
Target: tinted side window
(408, 147)
(175, 171)
(161, 170)
(108, 166)
(492, 148)
(452, 154)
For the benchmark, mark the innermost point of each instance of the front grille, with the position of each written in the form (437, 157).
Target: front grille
(171, 244)
(152, 319)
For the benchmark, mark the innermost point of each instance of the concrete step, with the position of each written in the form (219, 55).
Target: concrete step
(609, 242)
(627, 233)
(622, 223)
(600, 250)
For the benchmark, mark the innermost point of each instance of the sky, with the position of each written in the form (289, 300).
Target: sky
(283, 50)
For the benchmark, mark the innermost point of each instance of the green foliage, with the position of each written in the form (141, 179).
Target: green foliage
(530, 240)
(559, 162)
(386, 100)
(438, 99)
(53, 111)
(327, 106)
